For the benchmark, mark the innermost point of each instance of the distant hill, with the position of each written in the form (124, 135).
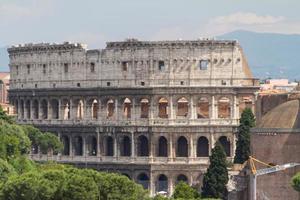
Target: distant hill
(3, 59)
(269, 54)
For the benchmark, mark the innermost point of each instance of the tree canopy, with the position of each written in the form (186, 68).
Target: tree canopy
(296, 182)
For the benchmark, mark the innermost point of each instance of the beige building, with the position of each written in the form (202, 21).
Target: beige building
(4, 87)
(151, 110)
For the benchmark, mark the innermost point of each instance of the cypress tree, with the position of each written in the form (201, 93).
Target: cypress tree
(216, 177)
(242, 152)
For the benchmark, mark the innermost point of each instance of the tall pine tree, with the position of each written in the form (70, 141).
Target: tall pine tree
(216, 177)
(242, 152)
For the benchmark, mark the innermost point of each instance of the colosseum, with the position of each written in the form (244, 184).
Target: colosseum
(151, 110)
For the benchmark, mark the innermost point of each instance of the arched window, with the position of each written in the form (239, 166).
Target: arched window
(66, 107)
(35, 109)
(182, 147)
(125, 146)
(143, 179)
(109, 146)
(202, 147)
(162, 183)
(224, 141)
(92, 146)
(163, 108)
(78, 146)
(95, 107)
(144, 108)
(203, 108)
(162, 147)
(182, 178)
(182, 107)
(44, 109)
(224, 109)
(80, 110)
(27, 107)
(55, 108)
(127, 108)
(143, 146)
(66, 143)
(110, 108)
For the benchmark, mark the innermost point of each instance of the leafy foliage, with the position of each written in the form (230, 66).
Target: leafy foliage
(296, 182)
(247, 121)
(183, 190)
(5, 117)
(216, 177)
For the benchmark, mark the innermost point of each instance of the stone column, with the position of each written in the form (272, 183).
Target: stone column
(25, 109)
(116, 113)
(213, 108)
(31, 110)
(84, 152)
(212, 142)
(152, 184)
(71, 146)
(191, 153)
(192, 108)
(171, 185)
(171, 117)
(98, 144)
(49, 109)
(116, 153)
(132, 145)
(60, 110)
(170, 154)
(134, 112)
(235, 109)
(19, 109)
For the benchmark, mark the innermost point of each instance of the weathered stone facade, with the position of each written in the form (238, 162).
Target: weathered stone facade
(149, 110)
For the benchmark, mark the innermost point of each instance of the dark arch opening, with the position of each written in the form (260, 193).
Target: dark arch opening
(28, 109)
(226, 144)
(182, 147)
(162, 147)
(143, 179)
(109, 146)
(44, 108)
(78, 145)
(202, 147)
(35, 109)
(125, 146)
(143, 146)
(66, 143)
(55, 109)
(162, 183)
(182, 178)
(92, 146)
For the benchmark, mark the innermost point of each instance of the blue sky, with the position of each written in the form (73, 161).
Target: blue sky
(96, 21)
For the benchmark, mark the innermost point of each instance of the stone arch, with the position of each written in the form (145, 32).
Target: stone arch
(66, 143)
(80, 109)
(95, 108)
(127, 108)
(44, 109)
(55, 109)
(22, 108)
(110, 108)
(78, 146)
(143, 179)
(143, 146)
(28, 109)
(162, 147)
(224, 108)
(182, 147)
(203, 108)
(125, 146)
(162, 183)
(144, 108)
(66, 109)
(182, 107)
(163, 107)
(202, 147)
(181, 177)
(108, 146)
(35, 107)
(92, 146)
(225, 142)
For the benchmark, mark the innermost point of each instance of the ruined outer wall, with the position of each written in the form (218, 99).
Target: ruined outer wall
(276, 147)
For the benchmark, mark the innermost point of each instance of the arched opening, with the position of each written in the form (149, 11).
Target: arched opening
(92, 146)
(224, 109)
(16, 111)
(80, 110)
(143, 146)
(44, 108)
(78, 146)
(182, 147)
(245, 102)
(125, 146)
(162, 183)
(55, 109)
(127, 108)
(109, 146)
(181, 178)
(202, 147)
(66, 107)
(144, 108)
(203, 108)
(182, 107)
(163, 108)
(66, 143)
(143, 180)
(162, 147)
(110, 108)
(22, 109)
(28, 110)
(95, 107)
(225, 142)
(35, 107)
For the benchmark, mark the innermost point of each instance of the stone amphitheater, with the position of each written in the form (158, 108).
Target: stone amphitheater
(151, 110)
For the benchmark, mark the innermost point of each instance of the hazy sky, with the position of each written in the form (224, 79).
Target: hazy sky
(96, 21)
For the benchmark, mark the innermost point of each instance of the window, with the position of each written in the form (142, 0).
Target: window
(92, 67)
(203, 64)
(161, 65)
(44, 69)
(28, 69)
(66, 67)
(54, 85)
(108, 83)
(181, 82)
(125, 66)
(142, 83)
(35, 85)
(17, 69)
(78, 84)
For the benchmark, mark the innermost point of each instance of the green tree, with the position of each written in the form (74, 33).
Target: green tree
(5, 117)
(247, 121)
(216, 177)
(183, 190)
(49, 142)
(296, 182)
